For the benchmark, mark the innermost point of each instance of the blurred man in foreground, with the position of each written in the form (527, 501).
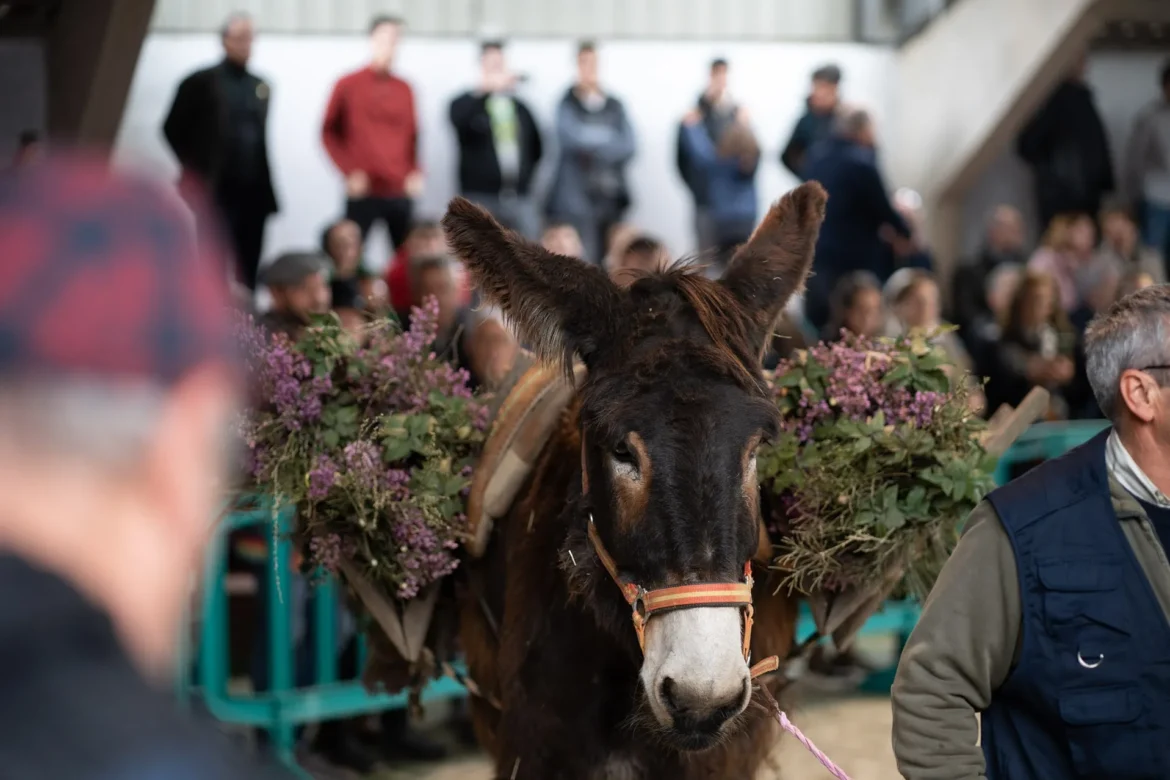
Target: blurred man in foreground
(117, 392)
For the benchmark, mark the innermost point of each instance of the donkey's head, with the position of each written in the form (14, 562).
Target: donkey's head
(673, 408)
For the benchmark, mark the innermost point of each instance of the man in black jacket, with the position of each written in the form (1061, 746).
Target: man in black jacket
(217, 127)
(499, 145)
(1068, 151)
(817, 122)
(718, 111)
(861, 222)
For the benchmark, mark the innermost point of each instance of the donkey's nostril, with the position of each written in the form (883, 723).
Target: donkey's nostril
(667, 691)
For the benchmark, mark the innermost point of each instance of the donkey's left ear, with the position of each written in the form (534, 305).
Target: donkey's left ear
(560, 306)
(773, 264)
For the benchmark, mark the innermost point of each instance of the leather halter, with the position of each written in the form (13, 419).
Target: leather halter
(646, 603)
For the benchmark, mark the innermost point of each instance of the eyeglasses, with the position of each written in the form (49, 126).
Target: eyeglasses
(1155, 368)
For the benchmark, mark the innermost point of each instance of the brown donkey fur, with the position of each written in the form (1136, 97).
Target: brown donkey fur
(671, 411)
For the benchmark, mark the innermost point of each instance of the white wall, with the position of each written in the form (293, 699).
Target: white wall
(1123, 83)
(658, 81)
(22, 91)
(671, 20)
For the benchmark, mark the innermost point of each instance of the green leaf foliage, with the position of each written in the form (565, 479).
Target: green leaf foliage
(877, 466)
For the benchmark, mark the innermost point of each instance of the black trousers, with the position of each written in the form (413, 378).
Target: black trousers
(244, 222)
(395, 212)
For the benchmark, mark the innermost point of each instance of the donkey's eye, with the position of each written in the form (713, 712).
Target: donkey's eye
(622, 454)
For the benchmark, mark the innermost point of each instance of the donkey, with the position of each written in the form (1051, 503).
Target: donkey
(647, 490)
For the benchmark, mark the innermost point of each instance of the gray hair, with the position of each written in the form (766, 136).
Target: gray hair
(850, 121)
(1132, 334)
(93, 421)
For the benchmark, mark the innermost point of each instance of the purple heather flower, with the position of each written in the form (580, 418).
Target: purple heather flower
(363, 460)
(326, 551)
(322, 477)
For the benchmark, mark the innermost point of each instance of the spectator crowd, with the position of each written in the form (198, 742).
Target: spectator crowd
(1018, 310)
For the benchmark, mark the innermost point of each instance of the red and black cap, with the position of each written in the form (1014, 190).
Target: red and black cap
(101, 276)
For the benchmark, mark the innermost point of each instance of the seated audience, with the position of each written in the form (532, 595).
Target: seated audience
(562, 238)
(1133, 281)
(1120, 246)
(916, 306)
(643, 255)
(479, 344)
(983, 335)
(1003, 243)
(424, 239)
(299, 284)
(342, 244)
(1036, 349)
(728, 167)
(1066, 249)
(856, 306)
(906, 252)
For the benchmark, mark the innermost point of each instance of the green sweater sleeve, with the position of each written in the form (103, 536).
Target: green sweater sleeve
(959, 653)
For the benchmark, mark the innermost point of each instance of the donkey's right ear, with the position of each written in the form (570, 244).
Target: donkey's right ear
(560, 306)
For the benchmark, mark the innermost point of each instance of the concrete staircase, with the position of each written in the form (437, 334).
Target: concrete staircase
(967, 83)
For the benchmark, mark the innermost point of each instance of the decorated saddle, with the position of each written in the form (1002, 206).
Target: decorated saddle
(525, 410)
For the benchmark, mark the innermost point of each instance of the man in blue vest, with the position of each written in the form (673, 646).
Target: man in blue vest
(1051, 618)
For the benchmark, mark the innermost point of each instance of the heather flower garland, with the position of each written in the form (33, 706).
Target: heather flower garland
(877, 464)
(373, 445)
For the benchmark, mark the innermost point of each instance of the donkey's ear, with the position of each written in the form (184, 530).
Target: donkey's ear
(773, 264)
(559, 305)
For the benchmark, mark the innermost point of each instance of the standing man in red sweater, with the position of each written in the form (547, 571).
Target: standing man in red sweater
(371, 132)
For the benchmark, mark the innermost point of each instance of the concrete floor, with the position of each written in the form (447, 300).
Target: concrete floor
(853, 730)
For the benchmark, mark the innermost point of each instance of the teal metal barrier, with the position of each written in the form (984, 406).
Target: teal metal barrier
(1043, 441)
(283, 707)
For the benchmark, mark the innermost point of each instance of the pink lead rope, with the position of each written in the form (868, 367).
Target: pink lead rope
(792, 729)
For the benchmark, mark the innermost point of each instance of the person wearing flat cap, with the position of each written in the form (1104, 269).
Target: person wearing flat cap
(119, 385)
(299, 283)
(816, 124)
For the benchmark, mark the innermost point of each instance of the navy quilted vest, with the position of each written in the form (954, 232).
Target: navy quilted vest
(1090, 696)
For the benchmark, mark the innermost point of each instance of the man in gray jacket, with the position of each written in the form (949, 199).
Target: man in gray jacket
(596, 140)
(1147, 168)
